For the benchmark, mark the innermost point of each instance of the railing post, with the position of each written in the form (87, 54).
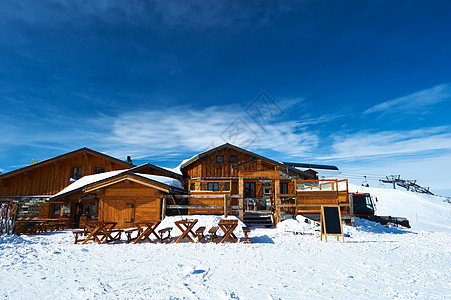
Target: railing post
(225, 206)
(241, 199)
(163, 208)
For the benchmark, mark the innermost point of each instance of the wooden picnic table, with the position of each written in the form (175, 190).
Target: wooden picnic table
(186, 226)
(103, 229)
(228, 226)
(145, 229)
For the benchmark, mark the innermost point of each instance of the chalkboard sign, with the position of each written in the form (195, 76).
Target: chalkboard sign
(331, 221)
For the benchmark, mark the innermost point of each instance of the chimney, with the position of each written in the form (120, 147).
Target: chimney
(129, 159)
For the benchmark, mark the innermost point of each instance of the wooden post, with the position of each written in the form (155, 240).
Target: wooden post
(163, 208)
(241, 200)
(277, 198)
(225, 206)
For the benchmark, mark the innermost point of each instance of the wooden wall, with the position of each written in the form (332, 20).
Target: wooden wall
(319, 198)
(206, 167)
(52, 177)
(126, 202)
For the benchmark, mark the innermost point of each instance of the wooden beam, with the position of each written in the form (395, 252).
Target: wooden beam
(265, 174)
(96, 187)
(194, 196)
(233, 207)
(163, 207)
(241, 199)
(225, 206)
(308, 205)
(277, 199)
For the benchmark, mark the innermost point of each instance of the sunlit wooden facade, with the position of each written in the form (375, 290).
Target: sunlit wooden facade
(234, 177)
(50, 176)
(124, 198)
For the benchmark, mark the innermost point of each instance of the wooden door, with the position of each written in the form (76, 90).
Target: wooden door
(129, 214)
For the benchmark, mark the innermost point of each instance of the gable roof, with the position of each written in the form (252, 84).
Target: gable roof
(162, 169)
(85, 181)
(47, 161)
(257, 156)
(311, 166)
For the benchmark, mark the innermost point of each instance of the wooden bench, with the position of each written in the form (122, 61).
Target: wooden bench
(246, 231)
(108, 235)
(212, 232)
(200, 232)
(129, 234)
(161, 232)
(77, 233)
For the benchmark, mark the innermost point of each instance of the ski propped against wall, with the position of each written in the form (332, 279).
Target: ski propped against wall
(8, 217)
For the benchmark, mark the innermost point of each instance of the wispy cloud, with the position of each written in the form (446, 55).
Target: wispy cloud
(170, 132)
(414, 102)
(368, 145)
(196, 14)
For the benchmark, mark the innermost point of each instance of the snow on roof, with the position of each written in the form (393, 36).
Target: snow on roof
(86, 180)
(179, 167)
(175, 170)
(163, 179)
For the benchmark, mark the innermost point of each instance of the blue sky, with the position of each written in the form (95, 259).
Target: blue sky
(364, 85)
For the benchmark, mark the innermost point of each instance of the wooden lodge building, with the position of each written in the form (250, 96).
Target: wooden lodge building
(223, 180)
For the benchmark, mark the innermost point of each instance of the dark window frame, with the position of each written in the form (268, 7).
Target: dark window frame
(99, 170)
(219, 158)
(284, 188)
(76, 173)
(233, 158)
(250, 189)
(57, 209)
(213, 186)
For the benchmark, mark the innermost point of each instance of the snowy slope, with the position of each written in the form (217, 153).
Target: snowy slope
(424, 212)
(375, 262)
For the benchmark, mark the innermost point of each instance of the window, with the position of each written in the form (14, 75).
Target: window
(226, 186)
(100, 170)
(192, 186)
(233, 158)
(213, 186)
(57, 209)
(284, 187)
(249, 189)
(219, 158)
(76, 173)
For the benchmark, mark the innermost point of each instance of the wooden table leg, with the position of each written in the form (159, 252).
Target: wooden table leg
(93, 234)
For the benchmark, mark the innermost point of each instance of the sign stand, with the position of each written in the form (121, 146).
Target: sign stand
(331, 222)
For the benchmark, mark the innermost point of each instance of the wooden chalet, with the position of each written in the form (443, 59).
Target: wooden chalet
(50, 176)
(242, 181)
(85, 184)
(35, 183)
(119, 196)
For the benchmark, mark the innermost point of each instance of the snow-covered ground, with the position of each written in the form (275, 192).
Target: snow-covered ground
(375, 262)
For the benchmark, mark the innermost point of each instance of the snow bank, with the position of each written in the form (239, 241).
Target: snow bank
(298, 226)
(424, 212)
(413, 265)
